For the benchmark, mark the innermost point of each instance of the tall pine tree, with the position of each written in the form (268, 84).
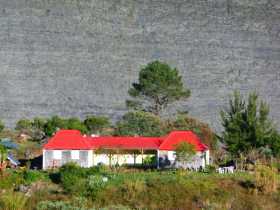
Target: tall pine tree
(247, 126)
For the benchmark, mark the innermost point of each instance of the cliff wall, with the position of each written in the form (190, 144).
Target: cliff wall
(79, 57)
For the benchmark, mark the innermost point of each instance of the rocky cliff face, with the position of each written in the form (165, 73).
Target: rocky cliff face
(79, 57)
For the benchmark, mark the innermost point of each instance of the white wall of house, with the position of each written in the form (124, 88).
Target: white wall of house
(119, 159)
(90, 158)
(57, 158)
(87, 158)
(199, 160)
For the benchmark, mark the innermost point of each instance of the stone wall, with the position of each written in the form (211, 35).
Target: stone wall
(79, 57)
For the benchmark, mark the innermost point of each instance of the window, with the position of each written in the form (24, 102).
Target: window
(75, 154)
(57, 154)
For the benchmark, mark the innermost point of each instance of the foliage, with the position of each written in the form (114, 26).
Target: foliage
(3, 154)
(139, 123)
(34, 127)
(39, 123)
(95, 183)
(184, 122)
(39, 128)
(274, 143)
(62, 205)
(13, 201)
(11, 179)
(31, 176)
(159, 85)
(104, 189)
(77, 203)
(23, 124)
(2, 126)
(55, 205)
(150, 160)
(247, 126)
(266, 178)
(210, 169)
(3, 158)
(75, 124)
(96, 124)
(184, 152)
(71, 178)
(55, 123)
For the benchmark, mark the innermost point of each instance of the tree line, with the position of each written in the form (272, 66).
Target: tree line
(248, 129)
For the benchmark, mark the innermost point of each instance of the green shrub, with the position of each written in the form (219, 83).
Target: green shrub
(62, 205)
(95, 183)
(210, 169)
(11, 180)
(56, 205)
(72, 178)
(100, 169)
(150, 160)
(31, 176)
(23, 124)
(13, 201)
(266, 179)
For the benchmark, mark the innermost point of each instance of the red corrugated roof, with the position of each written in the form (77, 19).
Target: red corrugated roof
(175, 137)
(68, 139)
(72, 139)
(109, 142)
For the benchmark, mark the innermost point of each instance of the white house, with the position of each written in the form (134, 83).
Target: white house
(71, 146)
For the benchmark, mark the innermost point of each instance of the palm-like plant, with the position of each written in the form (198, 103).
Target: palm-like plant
(13, 201)
(3, 158)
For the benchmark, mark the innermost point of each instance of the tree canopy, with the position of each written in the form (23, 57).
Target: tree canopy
(247, 126)
(185, 122)
(96, 124)
(2, 126)
(158, 86)
(184, 152)
(55, 123)
(139, 123)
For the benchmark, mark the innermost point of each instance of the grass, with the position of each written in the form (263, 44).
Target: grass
(151, 189)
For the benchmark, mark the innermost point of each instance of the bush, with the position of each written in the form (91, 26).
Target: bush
(13, 201)
(266, 179)
(11, 180)
(34, 128)
(73, 178)
(150, 160)
(95, 184)
(62, 205)
(100, 169)
(24, 124)
(210, 169)
(31, 176)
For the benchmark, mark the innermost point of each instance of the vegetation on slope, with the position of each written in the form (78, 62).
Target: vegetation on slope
(73, 187)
